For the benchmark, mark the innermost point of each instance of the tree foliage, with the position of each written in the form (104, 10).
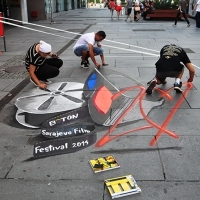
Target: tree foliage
(166, 5)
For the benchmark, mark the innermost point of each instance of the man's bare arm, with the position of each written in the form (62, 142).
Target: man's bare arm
(91, 53)
(191, 71)
(34, 77)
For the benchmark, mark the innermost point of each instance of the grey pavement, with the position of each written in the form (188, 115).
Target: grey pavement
(169, 170)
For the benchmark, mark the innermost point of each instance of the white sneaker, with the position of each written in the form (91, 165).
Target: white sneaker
(46, 81)
(84, 65)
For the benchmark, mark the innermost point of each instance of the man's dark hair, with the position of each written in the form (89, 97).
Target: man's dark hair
(102, 34)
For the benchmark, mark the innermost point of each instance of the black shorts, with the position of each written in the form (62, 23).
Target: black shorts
(161, 76)
(129, 10)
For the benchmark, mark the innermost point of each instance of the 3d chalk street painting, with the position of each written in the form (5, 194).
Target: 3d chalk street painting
(67, 112)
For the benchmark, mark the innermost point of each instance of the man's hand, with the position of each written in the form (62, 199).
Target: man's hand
(97, 65)
(42, 86)
(54, 55)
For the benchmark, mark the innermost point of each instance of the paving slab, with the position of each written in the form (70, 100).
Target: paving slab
(49, 189)
(12, 85)
(5, 83)
(11, 148)
(185, 166)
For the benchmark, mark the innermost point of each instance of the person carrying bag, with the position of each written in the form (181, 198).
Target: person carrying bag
(136, 10)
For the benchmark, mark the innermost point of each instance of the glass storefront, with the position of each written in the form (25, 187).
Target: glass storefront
(55, 6)
(62, 5)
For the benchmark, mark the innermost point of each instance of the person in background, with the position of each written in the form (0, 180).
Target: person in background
(129, 5)
(182, 9)
(170, 65)
(147, 9)
(197, 16)
(106, 2)
(111, 7)
(39, 66)
(118, 8)
(84, 47)
(136, 10)
(141, 8)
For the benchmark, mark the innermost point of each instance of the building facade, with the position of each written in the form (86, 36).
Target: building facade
(29, 10)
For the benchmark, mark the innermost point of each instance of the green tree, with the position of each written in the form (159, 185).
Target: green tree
(166, 4)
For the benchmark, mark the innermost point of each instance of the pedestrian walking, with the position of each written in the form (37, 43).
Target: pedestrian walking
(84, 47)
(197, 16)
(129, 5)
(106, 2)
(111, 6)
(118, 7)
(136, 10)
(42, 64)
(170, 65)
(182, 9)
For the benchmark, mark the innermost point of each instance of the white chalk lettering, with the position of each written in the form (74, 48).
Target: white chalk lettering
(56, 133)
(51, 123)
(63, 119)
(50, 148)
(81, 130)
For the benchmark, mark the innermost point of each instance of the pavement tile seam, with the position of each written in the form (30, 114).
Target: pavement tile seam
(96, 180)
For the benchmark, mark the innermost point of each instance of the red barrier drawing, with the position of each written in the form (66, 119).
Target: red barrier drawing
(161, 128)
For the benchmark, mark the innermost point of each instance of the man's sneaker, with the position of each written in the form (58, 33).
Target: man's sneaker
(189, 25)
(164, 82)
(33, 82)
(84, 65)
(46, 81)
(87, 61)
(151, 85)
(177, 87)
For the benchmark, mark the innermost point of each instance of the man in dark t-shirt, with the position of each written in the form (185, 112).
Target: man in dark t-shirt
(182, 9)
(171, 64)
(129, 6)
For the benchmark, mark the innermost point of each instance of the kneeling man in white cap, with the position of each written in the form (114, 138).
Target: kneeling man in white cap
(39, 66)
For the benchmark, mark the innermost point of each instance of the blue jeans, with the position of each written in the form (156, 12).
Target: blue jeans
(96, 50)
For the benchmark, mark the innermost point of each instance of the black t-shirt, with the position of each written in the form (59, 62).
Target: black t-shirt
(34, 58)
(171, 57)
(183, 5)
